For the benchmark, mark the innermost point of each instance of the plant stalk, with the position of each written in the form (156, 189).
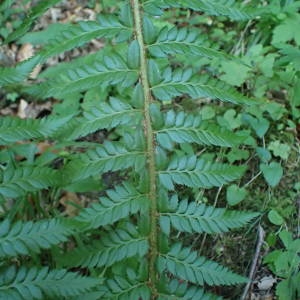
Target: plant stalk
(153, 241)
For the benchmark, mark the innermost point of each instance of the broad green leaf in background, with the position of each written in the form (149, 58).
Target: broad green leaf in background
(263, 154)
(281, 150)
(235, 194)
(230, 120)
(259, 125)
(287, 30)
(234, 73)
(272, 173)
(275, 218)
(237, 154)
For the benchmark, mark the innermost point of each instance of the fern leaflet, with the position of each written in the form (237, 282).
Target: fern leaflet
(16, 182)
(173, 290)
(113, 247)
(193, 217)
(119, 203)
(37, 283)
(36, 12)
(111, 71)
(108, 115)
(16, 74)
(187, 265)
(129, 287)
(186, 128)
(15, 129)
(25, 238)
(109, 157)
(193, 172)
(181, 41)
(215, 8)
(81, 33)
(178, 83)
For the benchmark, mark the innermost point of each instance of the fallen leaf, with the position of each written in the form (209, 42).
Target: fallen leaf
(23, 109)
(25, 52)
(266, 283)
(70, 201)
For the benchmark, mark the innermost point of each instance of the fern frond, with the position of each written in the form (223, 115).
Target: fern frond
(106, 115)
(18, 73)
(193, 172)
(112, 247)
(126, 288)
(119, 203)
(179, 83)
(175, 290)
(226, 8)
(181, 41)
(84, 31)
(187, 265)
(193, 217)
(15, 129)
(111, 70)
(17, 182)
(34, 283)
(35, 13)
(186, 128)
(74, 36)
(108, 157)
(25, 238)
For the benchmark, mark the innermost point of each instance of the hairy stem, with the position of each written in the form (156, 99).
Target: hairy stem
(150, 146)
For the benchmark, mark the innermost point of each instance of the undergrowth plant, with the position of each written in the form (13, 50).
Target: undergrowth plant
(122, 129)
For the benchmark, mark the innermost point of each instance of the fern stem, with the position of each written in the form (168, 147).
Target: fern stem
(150, 146)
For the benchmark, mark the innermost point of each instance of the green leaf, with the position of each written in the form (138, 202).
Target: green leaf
(230, 120)
(113, 247)
(18, 73)
(42, 283)
(281, 150)
(284, 290)
(15, 129)
(109, 70)
(260, 125)
(81, 33)
(108, 115)
(124, 200)
(235, 194)
(175, 290)
(275, 218)
(108, 157)
(182, 41)
(134, 55)
(126, 16)
(27, 237)
(187, 265)
(230, 69)
(272, 173)
(153, 73)
(192, 217)
(178, 83)
(123, 288)
(149, 31)
(17, 182)
(229, 9)
(263, 154)
(193, 172)
(288, 30)
(6, 4)
(187, 128)
(35, 13)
